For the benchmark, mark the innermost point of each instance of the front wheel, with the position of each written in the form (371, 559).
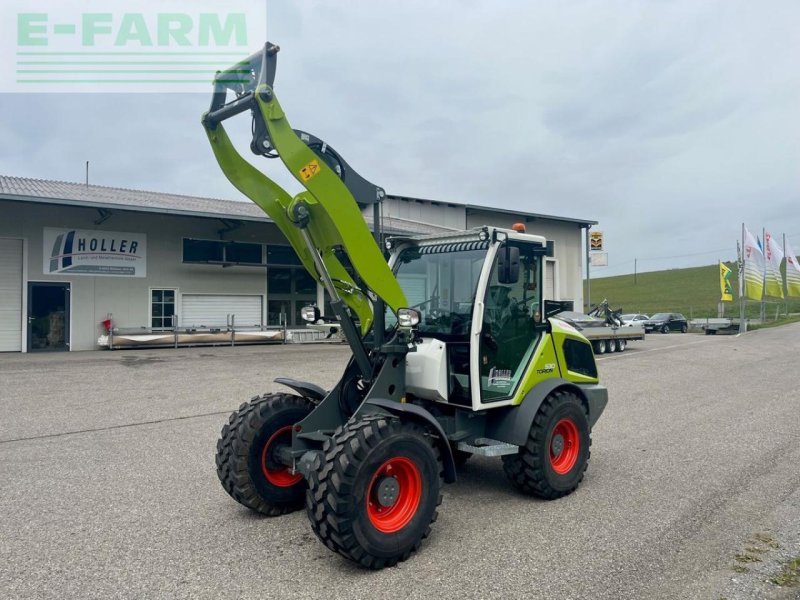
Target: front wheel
(247, 464)
(552, 462)
(375, 494)
(665, 329)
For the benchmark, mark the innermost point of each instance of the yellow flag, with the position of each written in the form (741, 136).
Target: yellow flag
(725, 283)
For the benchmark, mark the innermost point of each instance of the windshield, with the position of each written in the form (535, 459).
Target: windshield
(440, 282)
(659, 316)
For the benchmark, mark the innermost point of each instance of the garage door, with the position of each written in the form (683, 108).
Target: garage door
(208, 310)
(550, 280)
(10, 295)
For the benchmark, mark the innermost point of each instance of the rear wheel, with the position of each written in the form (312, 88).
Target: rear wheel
(552, 462)
(612, 346)
(600, 347)
(621, 345)
(375, 494)
(247, 464)
(684, 328)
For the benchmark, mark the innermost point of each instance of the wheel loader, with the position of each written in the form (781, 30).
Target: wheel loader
(451, 354)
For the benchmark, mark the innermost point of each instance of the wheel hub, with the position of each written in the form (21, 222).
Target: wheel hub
(557, 445)
(394, 494)
(565, 446)
(388, 491)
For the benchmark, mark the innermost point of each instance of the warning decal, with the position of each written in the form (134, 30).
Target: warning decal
(309, 170)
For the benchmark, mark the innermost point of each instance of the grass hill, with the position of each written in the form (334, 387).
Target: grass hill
(693, 292)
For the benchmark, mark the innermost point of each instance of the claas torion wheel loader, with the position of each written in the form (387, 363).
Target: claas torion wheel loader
(452, 354)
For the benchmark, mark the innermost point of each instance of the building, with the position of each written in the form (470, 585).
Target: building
(187, 261)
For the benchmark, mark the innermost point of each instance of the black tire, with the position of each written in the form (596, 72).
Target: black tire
(621, 345)
(665, 328)
(684, 328)
(611, 346)
(339, 501)
(533, 469)
(241, 452)
(600, 347)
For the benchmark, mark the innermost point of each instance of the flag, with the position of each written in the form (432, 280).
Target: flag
(726, 289)
(774, 255)
(753, 268)
(792, 274)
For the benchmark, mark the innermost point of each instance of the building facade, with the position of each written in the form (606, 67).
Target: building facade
(73, 256)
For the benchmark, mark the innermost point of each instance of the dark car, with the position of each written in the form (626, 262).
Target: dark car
(664, 322)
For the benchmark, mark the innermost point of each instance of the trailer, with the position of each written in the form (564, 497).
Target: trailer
(715, 326)
(605, 337)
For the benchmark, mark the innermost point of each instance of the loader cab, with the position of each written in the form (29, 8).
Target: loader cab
(480, 304)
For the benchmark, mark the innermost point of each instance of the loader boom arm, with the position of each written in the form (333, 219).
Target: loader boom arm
(321, 223)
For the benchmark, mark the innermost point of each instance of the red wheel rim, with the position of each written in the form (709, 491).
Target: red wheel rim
(280, 477)
(565, 444)
(399, 513)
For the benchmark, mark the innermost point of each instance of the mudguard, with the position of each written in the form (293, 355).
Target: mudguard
(512, 424)
(420, 415)
(307, 390)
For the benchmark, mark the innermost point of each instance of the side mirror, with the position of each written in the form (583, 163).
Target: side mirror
(508, 265)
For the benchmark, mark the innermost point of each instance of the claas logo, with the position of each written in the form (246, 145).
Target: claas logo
(596, 240)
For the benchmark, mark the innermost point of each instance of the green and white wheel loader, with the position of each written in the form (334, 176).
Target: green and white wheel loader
(451, 354)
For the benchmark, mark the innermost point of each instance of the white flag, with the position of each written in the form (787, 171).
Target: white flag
(774, 255)
(753, 268)
(792, 273)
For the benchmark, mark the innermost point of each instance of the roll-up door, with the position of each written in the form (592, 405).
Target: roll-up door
(10, 295)
(209, 310)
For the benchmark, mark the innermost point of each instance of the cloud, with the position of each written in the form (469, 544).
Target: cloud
(668, 122)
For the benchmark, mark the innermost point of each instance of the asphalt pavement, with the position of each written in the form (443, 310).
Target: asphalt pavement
(109, 489)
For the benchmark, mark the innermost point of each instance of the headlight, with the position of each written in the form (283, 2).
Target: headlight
(309, 314)
(407, 317)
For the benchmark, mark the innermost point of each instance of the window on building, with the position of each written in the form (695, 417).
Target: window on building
(282, 255)
(162, 308)
(218, 251)
(247, 254)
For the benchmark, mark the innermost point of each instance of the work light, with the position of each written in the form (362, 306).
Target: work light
(407, 317)
(310, 314)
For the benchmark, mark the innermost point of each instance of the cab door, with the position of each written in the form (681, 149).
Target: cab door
(512, 319)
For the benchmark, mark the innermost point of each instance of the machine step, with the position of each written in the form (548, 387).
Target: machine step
(488, 447)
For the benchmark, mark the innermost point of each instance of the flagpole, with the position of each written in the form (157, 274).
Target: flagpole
(764, 275)
(740, 253)
(785, 279)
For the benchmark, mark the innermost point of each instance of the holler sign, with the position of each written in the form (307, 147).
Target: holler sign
(86, 252)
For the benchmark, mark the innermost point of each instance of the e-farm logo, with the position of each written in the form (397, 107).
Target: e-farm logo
(125, 45)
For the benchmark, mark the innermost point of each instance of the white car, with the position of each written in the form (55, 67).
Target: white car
(632, 319)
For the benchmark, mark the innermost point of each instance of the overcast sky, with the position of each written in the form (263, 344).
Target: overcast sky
(670, 123)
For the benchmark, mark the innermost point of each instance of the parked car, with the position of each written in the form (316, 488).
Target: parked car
(666, 322)
(632, 319)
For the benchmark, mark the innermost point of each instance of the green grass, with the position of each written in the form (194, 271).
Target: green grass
(693, 292)
(789, 575)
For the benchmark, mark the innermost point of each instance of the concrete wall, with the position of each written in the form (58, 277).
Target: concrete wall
(128, 298)
(568, 247)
